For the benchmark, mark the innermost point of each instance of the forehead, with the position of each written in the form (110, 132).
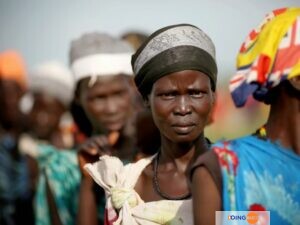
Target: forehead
(105, 84)
(186, 78)
(44, 100)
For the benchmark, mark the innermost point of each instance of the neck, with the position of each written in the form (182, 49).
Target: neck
(284, 123)
(180, 156)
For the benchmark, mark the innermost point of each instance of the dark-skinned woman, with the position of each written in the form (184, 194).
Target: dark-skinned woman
(15, 186)
(175, 72)
(103, 110)
(259, 172)
(57, 174)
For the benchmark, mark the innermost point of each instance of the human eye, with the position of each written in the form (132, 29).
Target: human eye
(96, 98)
(120, 93)
(197, 93)
(167, 95)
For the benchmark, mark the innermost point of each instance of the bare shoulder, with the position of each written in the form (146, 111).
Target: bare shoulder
(202, 181)
(201, 174)
(206, 197)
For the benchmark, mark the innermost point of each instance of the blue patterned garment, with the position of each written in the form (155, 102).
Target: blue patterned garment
(14, 180)
(61, 170)
(260, 175)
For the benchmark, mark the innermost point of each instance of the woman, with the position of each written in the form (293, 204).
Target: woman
(259, 172)
(176, 75)
(103, 109)
(57, 174)
(15, 186)
(51, 91)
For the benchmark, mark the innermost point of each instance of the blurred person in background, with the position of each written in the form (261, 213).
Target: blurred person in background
(104, 109)
(15, 186)
(58, 176)
(259, 172)
(51, 91)
(134, 38)
(175, 72)
(148, 137)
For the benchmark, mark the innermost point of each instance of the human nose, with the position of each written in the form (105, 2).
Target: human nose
(111, 106)
(43, 117)
(183, 106)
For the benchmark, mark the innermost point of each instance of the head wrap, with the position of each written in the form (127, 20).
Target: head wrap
(173, 49)
(53, 78)
(98, 54)
(270, 55)
(12, 68)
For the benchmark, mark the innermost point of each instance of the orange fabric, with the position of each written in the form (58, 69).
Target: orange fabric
(12, 67)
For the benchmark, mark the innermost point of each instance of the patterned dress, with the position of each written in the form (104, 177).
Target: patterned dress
(60, 169)
(260, 175)
(14, 183)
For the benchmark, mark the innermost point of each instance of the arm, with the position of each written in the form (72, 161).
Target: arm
(90, 152)
(54, 215)
(206, 197)
(87, 211)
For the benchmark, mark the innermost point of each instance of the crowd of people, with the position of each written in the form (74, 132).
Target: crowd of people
(118, 136)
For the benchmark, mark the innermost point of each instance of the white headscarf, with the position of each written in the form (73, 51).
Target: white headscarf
(53, 78)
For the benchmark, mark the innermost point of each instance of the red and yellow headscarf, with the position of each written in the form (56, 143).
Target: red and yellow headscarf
(270, 55)
(12, 68)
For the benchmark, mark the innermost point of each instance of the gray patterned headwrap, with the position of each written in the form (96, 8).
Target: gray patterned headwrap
(173, 49)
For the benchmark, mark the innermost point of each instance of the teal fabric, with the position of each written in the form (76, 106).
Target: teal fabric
(61, 170)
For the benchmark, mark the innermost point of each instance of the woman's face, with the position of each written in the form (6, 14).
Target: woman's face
(181, 103)
(10, 95)
(45, 115)
(108, 103)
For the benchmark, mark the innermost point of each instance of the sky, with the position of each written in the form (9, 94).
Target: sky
(43, 29)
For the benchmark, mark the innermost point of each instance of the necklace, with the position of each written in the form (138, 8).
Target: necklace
(156, 184)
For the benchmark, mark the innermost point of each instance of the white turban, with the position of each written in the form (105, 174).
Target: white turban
(98, 54)
(53, 78)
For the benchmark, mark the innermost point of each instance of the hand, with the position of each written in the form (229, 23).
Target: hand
(94, 147)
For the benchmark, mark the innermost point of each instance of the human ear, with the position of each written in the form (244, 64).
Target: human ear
(146, 101)
(77, 97)
(214, 98)
(212, 108)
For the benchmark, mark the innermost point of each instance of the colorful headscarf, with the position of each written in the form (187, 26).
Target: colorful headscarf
(270, 55)
(12, 68)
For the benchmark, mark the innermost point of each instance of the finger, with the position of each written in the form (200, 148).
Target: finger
(86, 157)
(92, 148)
(89, 148)
(103, 145)
(113, 137)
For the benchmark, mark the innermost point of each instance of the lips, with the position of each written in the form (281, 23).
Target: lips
(183, 128)
(113, 119)
(114, 124)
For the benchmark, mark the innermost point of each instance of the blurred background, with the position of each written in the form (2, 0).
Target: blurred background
(42, 30)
